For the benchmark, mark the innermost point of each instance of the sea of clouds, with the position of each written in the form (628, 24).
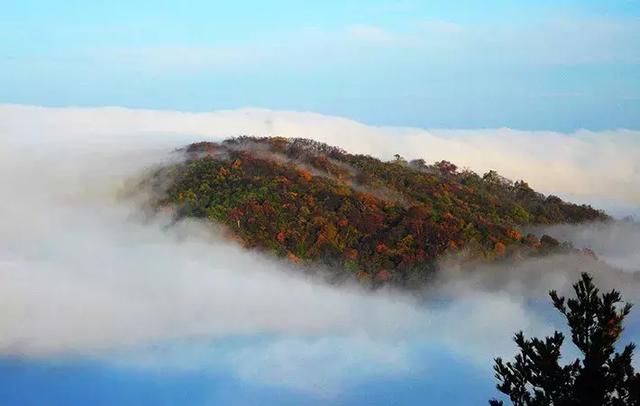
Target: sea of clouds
(85, 273)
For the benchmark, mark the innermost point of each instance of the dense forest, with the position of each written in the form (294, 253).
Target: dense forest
(374, 221)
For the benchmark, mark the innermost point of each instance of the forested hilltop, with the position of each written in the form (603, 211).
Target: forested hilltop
(368, 219)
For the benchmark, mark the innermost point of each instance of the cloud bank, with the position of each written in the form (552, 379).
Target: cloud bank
(599, 166)
(85, 273)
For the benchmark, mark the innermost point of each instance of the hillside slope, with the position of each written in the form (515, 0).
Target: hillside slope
(373, 220)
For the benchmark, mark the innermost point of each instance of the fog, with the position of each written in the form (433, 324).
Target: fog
(615, 243)
(602, 167)
(85, 272)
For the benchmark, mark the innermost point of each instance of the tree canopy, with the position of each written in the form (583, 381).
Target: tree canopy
(380, 221)
(602, 377)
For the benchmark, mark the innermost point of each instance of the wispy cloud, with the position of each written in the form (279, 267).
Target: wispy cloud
(179, 58)
(548, 42)
(561, 41)
(370, 33)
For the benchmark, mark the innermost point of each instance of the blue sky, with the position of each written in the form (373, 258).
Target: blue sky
(82, 383)
(538, 64)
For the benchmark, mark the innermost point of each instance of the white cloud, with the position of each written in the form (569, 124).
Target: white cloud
(586, 165)
(616, 244)
(370, 33)
(432, 43)
(84, 273)
(570, 40)
(336, 362)
(179, 58)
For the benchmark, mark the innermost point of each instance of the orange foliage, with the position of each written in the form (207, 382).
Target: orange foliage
(369, 199)
(329, 232)
(514, 234)
(293, 258)
(351, 254)
(283, 180)
(421, 212)
(281, 236)
(306, 175)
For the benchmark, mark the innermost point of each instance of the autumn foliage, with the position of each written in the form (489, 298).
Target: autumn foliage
(384, 221)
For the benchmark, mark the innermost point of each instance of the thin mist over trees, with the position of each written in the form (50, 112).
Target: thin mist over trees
(382, 222)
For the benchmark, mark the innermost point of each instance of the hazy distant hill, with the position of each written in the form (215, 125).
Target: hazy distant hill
(372, 220)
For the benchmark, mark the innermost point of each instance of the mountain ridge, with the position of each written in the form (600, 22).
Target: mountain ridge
(377, 221)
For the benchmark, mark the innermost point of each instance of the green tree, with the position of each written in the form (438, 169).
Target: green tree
(603, 377)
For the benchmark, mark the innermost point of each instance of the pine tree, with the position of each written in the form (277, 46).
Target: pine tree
(603, 377)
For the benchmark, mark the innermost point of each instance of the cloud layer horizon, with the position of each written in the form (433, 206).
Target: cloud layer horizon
(83, 273)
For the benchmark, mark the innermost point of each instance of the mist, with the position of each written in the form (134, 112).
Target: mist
(615, 243)
(602, 166)
(86, 273)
